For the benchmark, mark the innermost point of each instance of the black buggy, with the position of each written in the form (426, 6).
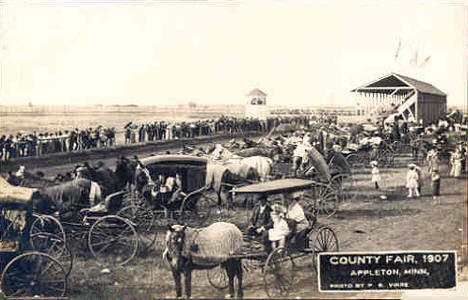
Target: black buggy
(26, 271)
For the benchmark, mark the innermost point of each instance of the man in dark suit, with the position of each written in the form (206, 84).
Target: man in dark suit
(261, 216)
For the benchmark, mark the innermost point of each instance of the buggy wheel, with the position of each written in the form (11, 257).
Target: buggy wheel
(197, 209)
(385, 158)
(217, 277)
(355, 160)
(45, 224)
(345, 184)
(161, 220)
(34, 274)
(310, 209)
(278, 273)
(113, 240)
(322, 240)
(55, 247)
(326, 199)
(397, 146)
(144, 220)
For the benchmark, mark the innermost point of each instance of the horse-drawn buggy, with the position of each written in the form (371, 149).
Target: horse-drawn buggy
(176, 188)
(28, 270)
(225, 251)
(370, 149)
(64, 212)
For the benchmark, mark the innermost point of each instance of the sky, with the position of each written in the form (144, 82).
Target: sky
(215, 52)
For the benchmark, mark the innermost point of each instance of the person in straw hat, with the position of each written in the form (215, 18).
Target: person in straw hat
(412, 179)
(375, 174)
(296, 214)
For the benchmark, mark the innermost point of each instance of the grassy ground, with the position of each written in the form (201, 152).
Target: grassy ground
(367, 223)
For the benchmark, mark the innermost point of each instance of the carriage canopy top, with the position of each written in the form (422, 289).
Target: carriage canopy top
(174, 158)
(277, 186)
(10, 194)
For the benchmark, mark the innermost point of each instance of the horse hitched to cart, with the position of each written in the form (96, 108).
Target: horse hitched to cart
(26, 271)
(221, 247)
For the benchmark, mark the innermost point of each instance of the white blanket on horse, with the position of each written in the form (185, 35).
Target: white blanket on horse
(214, 175)
(262, 164)
(239, 169)
(212, 245)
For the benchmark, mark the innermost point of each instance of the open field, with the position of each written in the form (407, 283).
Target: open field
(366, 224)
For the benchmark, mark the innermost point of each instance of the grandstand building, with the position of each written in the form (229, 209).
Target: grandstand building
(399, 96)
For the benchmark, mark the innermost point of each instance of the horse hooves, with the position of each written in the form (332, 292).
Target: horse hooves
(228, 296)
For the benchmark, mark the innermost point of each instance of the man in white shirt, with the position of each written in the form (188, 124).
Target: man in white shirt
(299, 155)
(296, 214)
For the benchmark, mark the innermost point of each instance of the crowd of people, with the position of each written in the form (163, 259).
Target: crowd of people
(38, 144)
(163, 130)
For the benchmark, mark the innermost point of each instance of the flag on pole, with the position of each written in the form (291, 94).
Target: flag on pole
(414, 59)
(425, 62)
(397, 52)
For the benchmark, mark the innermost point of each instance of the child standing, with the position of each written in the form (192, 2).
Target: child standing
(375, 174)
(277, 234)
(435, 182)
(412, 179)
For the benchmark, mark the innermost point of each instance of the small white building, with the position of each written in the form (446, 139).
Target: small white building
(256, 106)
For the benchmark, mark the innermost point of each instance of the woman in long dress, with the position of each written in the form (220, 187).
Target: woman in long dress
(375, 174)
(456, 162)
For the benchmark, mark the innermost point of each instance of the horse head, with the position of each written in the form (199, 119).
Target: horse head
(44, 204)
(175, 242)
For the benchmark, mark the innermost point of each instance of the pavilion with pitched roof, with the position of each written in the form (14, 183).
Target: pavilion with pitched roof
(402, 97)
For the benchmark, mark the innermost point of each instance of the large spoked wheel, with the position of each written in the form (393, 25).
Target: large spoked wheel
(45, 224)
(397, 146)
(310, 208)
(144, 220)
(34, 274)
(113, 240)
(197, 209)
(322, 240)
(386, 157)
(356, 161)
(217, 277)
(55, 247)
(345, 184)
(326, 199)
(278, 273)
(161, 220)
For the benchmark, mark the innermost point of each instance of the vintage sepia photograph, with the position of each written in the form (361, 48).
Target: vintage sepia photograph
(233, 149)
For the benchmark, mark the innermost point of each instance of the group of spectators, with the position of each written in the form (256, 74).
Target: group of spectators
(163, 130)
(37, 144)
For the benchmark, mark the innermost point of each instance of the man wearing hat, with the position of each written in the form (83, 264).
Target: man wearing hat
(261, 215)
(298, 156)
(296, 214)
